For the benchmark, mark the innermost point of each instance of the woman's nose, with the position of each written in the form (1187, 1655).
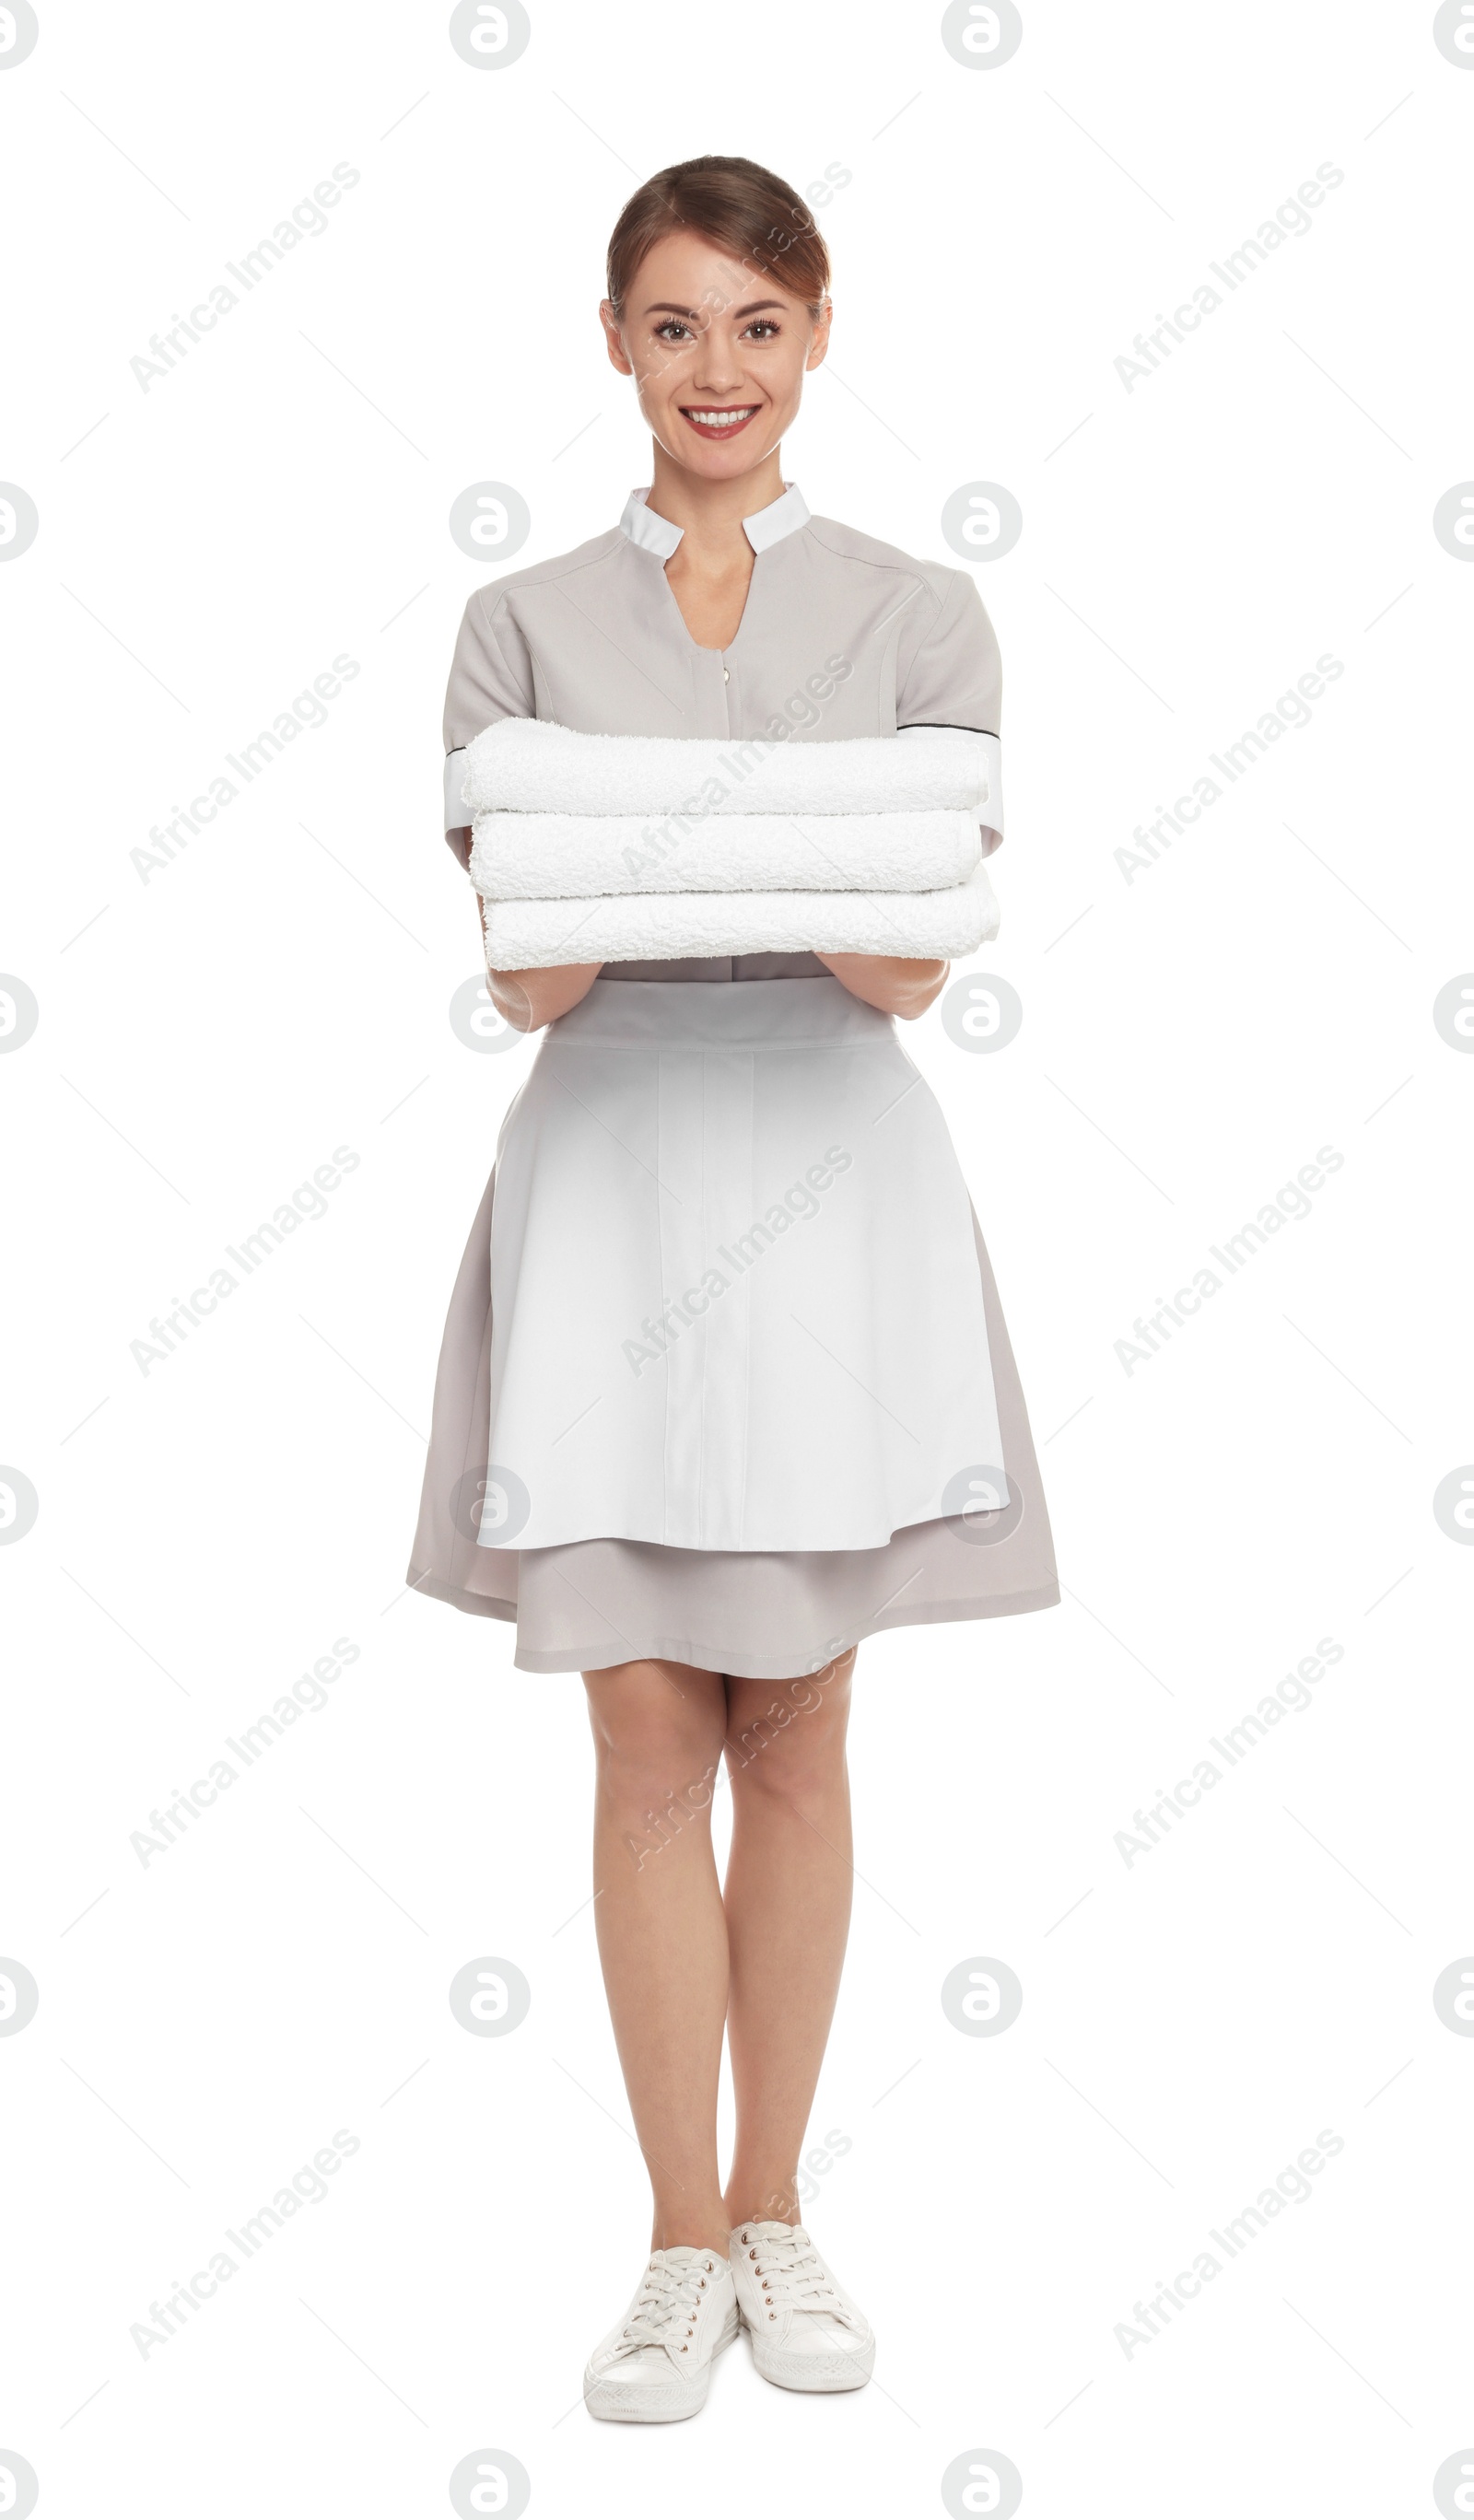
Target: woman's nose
(718, 370)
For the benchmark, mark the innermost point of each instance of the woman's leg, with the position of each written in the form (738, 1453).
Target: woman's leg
(787, 1898)
(658, 1731)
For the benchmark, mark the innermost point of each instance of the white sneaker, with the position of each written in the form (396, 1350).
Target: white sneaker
(806, 2332)
(655, 2367)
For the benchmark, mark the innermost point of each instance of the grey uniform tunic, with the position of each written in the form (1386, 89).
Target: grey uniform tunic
(840, 635)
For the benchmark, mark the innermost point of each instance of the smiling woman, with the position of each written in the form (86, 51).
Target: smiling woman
(719, 344)
(697, 1480)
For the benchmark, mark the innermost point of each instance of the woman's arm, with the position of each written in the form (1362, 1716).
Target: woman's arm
(890, 981)
(528, 999)
(492, 678)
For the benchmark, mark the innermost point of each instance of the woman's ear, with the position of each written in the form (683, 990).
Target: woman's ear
(613, 342)
(820, 343)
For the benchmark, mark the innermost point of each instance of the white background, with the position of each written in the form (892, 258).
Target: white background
(207, 1037)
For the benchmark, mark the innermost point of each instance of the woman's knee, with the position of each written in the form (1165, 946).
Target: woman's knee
(658, 1730)
(788, 1737)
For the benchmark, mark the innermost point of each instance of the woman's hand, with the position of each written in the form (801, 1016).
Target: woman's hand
(897, 986)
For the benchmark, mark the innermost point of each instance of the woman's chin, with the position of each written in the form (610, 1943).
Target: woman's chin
(715, 463)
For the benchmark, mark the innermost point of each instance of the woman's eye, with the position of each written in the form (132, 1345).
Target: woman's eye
(669, 330)
(763, 327)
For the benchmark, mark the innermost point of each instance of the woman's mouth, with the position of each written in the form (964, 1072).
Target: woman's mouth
(717, 419)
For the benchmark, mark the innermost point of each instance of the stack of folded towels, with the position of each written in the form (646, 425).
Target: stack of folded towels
(613, 848)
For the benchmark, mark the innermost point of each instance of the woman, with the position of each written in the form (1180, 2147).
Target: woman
(716, 1502)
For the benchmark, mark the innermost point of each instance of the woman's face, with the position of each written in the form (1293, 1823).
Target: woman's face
(719, 353)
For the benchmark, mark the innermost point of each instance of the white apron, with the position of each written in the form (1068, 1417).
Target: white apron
(735, 1294)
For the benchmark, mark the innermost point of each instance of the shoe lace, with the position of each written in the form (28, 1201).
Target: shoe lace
(792, 2273)
(666, 2307)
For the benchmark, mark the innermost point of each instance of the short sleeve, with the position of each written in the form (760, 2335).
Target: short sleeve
(951, 673)
(490, 678)
(954, 676)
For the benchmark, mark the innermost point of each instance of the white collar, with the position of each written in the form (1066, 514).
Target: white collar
(655, 533)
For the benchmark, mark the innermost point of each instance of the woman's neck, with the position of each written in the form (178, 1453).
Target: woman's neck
(711, 513)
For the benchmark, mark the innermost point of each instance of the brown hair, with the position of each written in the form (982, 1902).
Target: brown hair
(751, 213)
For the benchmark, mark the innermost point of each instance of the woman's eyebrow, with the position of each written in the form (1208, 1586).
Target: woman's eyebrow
(692, 314)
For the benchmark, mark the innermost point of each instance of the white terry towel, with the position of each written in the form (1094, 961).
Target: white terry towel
(527, 765)
(649, 927)
(547, 857)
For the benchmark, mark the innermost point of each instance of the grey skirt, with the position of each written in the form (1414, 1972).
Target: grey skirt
(750, 1614)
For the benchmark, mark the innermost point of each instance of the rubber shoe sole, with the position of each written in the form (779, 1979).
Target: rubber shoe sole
(616, 2402)
(811, 2371)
